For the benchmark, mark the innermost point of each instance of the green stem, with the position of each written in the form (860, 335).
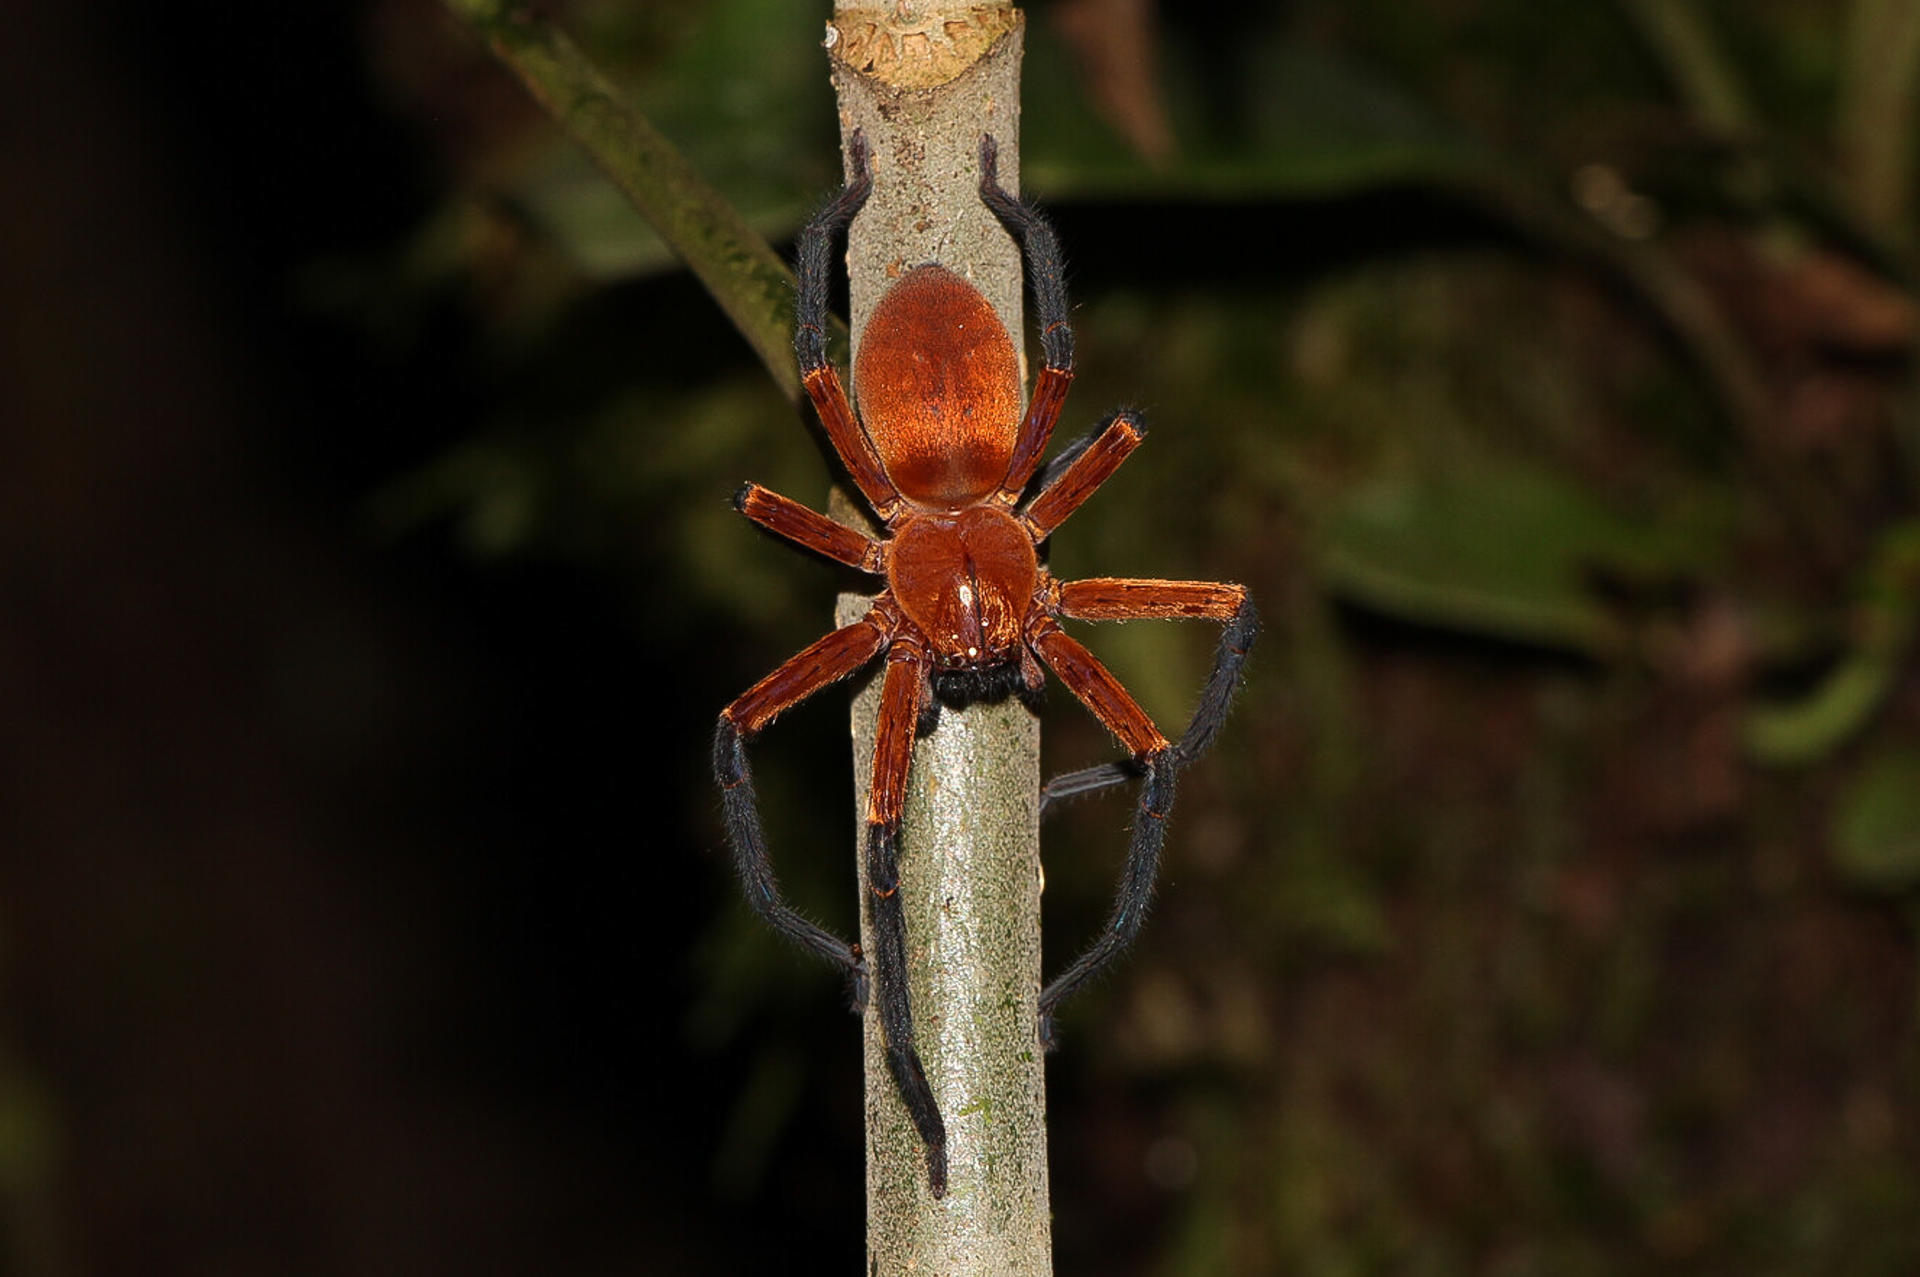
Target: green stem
(748, 279)
(1704, 79)
(1874, 122)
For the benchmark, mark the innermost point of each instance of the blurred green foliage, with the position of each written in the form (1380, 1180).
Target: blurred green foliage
(1530, 916)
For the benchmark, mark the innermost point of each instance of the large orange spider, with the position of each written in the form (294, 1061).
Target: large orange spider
(942, 453)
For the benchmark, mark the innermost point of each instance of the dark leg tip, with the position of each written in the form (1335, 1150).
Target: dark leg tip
(729, 760)
(937, 1170)
(859, 984)
(1244, 628)
(740, 497)
(1157, 800)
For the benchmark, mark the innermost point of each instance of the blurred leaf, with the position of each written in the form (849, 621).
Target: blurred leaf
(1500, 549)
(588, 219)
(726, 94)
(1320, 126)
(1805, 731)
(1328, 126)
(745, 276)
(495, 489)
(1331, 905)
(1685, 43)
(1876, 827)
(30, 1134)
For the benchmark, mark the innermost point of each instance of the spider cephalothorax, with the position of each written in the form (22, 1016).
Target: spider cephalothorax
(943, 454)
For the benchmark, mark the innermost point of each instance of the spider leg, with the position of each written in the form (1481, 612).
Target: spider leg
(900, 699)
(814, 249)
(1078, 480)
(822, 380)
(808, 528)
(1084, 780)
(824, 662)
(1057, 464)
(1153, 758)
(1047, 276)
(1116, 599)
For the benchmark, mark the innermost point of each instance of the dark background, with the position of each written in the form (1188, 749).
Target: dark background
(370, 588)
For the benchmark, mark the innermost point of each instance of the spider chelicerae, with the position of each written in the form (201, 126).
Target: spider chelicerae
(970, 613)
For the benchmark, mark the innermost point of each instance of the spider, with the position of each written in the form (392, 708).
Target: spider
(970, 613)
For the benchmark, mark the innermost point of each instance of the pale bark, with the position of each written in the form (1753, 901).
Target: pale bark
(924, 82)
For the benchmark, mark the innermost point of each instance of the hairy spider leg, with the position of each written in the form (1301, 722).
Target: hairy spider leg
(900, 700)
(808, 528)
(1073, 477)
(1057, 464)
(1076, 482)
(818, 665)
(1101, 692)
(822, 380)
(1048, 278)
(1130, 899)
(1105, 599)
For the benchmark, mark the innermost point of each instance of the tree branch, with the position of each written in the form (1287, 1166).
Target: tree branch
(924, 82)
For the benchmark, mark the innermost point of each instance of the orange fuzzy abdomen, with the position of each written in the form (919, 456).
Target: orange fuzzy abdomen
(938, 383)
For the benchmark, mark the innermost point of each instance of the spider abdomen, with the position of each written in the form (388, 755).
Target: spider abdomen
(938, 382)
(965, 581)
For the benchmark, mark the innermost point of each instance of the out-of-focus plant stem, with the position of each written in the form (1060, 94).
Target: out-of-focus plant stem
(1874, 123)
(744, 275)
(1704, 79)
